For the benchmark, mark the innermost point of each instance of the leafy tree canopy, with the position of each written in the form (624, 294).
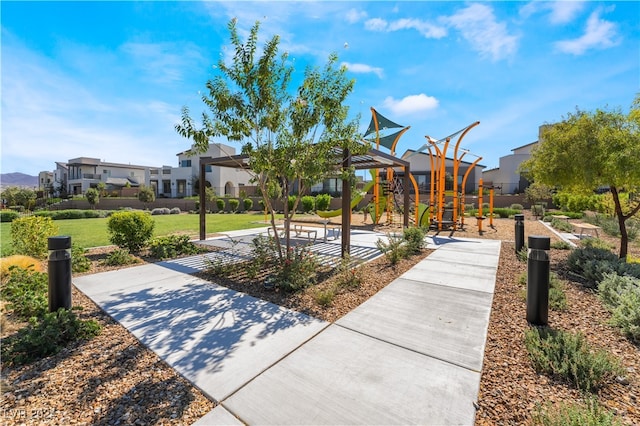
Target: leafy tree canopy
(589, 150)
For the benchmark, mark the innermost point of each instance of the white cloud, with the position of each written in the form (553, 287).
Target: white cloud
(427, 29)
(411, 104)
(599, 34)
(354, 16)
(560, 12)
(478, 25)
(363, 69)
(376, 24)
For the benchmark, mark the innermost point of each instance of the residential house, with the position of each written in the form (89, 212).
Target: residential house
(182, 181)
(506, 178)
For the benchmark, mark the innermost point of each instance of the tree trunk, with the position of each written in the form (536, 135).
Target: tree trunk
(624, 237)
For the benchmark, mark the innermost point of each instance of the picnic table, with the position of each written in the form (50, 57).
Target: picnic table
(586, 227)
(560, 216)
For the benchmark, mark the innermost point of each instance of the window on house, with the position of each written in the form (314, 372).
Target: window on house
(207, 168)
(185, 163)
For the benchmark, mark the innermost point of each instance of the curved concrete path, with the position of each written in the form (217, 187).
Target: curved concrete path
(411, 354)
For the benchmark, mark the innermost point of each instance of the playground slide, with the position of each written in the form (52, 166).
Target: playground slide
(354, 202)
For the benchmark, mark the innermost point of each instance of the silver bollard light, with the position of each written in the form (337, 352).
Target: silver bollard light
(538, 280)
(59, 268)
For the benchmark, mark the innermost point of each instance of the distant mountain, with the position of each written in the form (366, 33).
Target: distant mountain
(18, 179)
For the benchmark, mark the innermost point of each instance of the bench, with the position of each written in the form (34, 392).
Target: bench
(327, 225)
(297, 229)
(560, 216)
(586, 227)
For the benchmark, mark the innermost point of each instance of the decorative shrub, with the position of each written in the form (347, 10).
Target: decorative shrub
(234, 204)
(567, 355)
(298, 271)
(415, 239)
(47, 336)
(325, 297)
(394, 250)
(30, 234)
(561, 225)
(516, 206)
(504, 212)
(8, 215)
(120, 257)
(561, 245)
(613, 286)
(537, 210)
(323, 201)
(26, 292)
(291, 200)
(131, 230)
(349, 274)
(592, 264)
(220, 204)
(597, 243)
(626, 316)
(247, 203)
(175, 210)
(79, 262)
(591, 413)
(308, 203)
(171, 246)
(20, 261)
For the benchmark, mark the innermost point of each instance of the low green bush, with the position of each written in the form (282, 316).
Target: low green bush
(8, 215)
(323, 201)
(567, 355)
(29, 235)
(561, 245)
(621, 295)
(626, 316)
(516, 206)
(597, 243)
(130, 230)
(308, 203)
(592, 264)
(298, 271)
(414, 238)
(394, 250)
(589, 414)
(175, 210)
(170, 246)
(234, 204)
(504, 213)
(25, 290)
(46, 336)
(247, 204)
(561, 225)
(220, 204)
(120, 257)
(79, 262)
(325, 297)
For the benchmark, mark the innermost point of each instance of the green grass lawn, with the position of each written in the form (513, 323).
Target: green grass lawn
(93, 232)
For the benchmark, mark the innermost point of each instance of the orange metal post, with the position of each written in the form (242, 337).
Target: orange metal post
(480, 206)
(464, 179)
(491, 206)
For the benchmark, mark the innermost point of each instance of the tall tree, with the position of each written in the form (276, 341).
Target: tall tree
(289, 134)
(589, 150)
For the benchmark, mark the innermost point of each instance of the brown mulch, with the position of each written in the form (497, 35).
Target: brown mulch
(113, 379)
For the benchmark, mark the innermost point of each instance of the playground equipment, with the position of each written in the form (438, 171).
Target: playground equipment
(354, 202)
(438, 213)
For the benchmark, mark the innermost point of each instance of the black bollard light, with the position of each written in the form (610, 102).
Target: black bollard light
(59, 273)
(538, 280)
(519, 231)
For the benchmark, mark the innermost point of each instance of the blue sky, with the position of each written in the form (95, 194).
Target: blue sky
(108, 79)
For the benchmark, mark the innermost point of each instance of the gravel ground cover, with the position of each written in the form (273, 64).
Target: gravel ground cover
(113, 379)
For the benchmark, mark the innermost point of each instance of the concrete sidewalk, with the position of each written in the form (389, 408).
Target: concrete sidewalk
(412, 354)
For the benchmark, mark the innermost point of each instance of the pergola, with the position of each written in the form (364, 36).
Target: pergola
(374, 159)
